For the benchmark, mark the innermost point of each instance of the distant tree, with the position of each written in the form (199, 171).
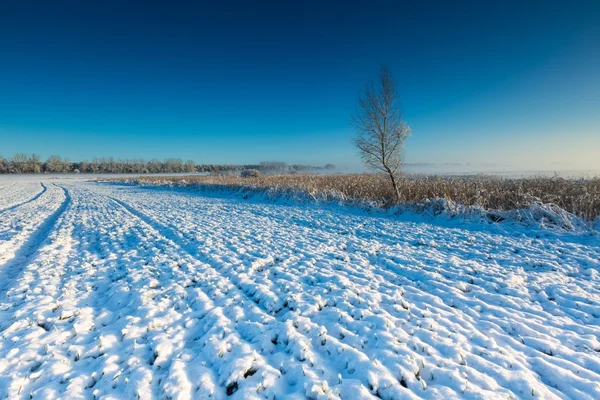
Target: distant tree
(380, 130)
(18, 163)
(55, 164)
(173, 165)
(67, 166)
(94, 165)
(273, 166)
(141, 166)
(4, 166)
(329, 166)
(21, 162)
(190, 166)
(34, 164)
(83, 166)
(109, 165)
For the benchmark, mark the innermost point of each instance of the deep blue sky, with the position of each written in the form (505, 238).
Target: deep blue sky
(510, 83)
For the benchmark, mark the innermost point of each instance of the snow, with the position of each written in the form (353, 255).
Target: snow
(112, 292)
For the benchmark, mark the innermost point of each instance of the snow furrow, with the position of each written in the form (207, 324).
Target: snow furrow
(36, 311)
(34, 198)
(10, 269)
(220, 327)
(280, 329)
(13, 194)
(17, 225)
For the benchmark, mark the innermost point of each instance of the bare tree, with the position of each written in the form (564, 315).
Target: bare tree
(190, 166)
(55, 163)
(34, 164)
(4, 165)
(380, 130)
(19, 163)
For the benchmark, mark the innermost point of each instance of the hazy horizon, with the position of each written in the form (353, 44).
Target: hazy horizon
(484, 87)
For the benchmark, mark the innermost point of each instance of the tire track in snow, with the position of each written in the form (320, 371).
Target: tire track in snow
(292, 327)
(34, 198)
(210, 284)
(10, 269)
(71, 337)
(172, 276)
(17, 225)
(172, 236)
(34, 311)
(111, 301)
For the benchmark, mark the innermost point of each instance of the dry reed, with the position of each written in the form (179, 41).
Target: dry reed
(580, 197)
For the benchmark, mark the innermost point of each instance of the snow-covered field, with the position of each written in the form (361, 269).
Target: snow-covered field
(123, 292)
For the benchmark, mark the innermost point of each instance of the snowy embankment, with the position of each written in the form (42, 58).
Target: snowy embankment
(127, 292)
(536, 215)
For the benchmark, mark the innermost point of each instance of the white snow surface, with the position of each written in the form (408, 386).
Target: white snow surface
(113, 292)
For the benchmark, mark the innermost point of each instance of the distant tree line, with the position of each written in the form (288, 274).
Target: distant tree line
(280, 166)
(32, 164)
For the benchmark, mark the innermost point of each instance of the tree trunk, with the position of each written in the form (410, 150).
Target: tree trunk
(394, 184)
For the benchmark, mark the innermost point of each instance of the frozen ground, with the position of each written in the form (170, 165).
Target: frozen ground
(125, 292)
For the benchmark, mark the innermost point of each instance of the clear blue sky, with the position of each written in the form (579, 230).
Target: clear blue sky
(511, 83)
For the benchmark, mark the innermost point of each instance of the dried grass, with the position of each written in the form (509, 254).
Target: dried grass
(580, 197)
